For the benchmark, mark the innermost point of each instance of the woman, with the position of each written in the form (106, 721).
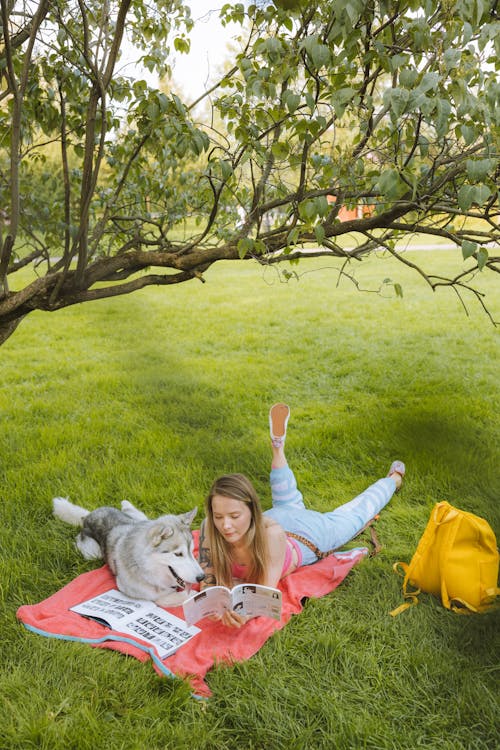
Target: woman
(240, 543)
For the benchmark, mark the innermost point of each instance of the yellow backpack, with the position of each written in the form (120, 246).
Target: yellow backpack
(456, 560)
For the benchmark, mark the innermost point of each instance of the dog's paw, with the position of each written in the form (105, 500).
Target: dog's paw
(131, 511)
(89, 547)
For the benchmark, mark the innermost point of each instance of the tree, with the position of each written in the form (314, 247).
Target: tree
(109, 186)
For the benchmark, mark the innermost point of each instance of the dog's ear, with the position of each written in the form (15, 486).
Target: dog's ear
(188, 518)
(159, 532)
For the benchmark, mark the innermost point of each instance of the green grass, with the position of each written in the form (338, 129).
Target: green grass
(152, 396)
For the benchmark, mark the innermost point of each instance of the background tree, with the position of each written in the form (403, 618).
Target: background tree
(391, 105)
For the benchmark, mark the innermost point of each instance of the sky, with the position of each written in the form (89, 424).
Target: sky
(209, 39)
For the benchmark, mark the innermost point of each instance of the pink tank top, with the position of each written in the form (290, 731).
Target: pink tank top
(240, 571)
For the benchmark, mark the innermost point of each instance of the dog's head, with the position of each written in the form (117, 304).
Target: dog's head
(167, 527)
(171, 543)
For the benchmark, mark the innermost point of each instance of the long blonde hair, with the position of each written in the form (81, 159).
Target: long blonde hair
(237, 487)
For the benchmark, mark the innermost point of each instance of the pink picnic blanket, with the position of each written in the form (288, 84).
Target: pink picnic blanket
(215, 643)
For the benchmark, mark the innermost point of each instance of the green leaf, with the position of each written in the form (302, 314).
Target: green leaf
(429, 82)
(397, 61)
(153, 111)
(353, 11)
(322, 206)
(179, 105)
(399, 290)
(468, 133)
(319, 232)
(482, 258)
(226, 168)
(245, 246)
(391, 185)
(307, 210)
(423, 145)
(198, 142)
(292, 101)
(280, 150)
(443, 108)
(481, 6)
(478, 169)
(397, 99)
(341, 98)
(465, 197)
(259, 247)
(451, 58)
(182, 45)
(162, 101)
(310, 101)
(318, 52)
(468, 249)
(481, 194)
(274, 49)
(467, 33)
(407, 77)
(288, 4)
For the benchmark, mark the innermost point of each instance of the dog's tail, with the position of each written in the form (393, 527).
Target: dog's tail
(68, 512)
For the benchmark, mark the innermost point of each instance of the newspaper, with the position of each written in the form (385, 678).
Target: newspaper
(139, 620)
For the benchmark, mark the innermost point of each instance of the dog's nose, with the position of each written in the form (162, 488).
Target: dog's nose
(200, 577)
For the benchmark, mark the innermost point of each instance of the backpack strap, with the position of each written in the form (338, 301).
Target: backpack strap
(411, 597)
(459, 605)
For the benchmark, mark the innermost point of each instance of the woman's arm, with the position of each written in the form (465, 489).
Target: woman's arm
(276, 545)
(205, 558)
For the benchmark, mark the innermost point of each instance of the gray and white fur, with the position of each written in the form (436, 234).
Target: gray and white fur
(151, 559)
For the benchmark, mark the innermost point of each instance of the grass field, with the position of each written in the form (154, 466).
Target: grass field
(150, 397)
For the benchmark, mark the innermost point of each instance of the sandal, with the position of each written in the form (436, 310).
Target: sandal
(397, 467)
(278, 420)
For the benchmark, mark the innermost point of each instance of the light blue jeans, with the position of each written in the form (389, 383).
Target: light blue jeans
(330, 530)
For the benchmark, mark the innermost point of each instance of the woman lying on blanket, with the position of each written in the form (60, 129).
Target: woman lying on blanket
(240, 543)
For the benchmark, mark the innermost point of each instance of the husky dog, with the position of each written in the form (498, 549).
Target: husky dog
(151, 559)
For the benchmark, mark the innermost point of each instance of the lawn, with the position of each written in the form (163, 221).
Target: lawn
(150, 397)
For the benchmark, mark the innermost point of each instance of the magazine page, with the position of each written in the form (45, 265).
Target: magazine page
(138, 618)
(213, 600)
(249, 599)
(254, 600)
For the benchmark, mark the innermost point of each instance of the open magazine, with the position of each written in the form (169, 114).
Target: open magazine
(248, 599)
(139, 619)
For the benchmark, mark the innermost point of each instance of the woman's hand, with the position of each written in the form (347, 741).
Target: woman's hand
(231, 619)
